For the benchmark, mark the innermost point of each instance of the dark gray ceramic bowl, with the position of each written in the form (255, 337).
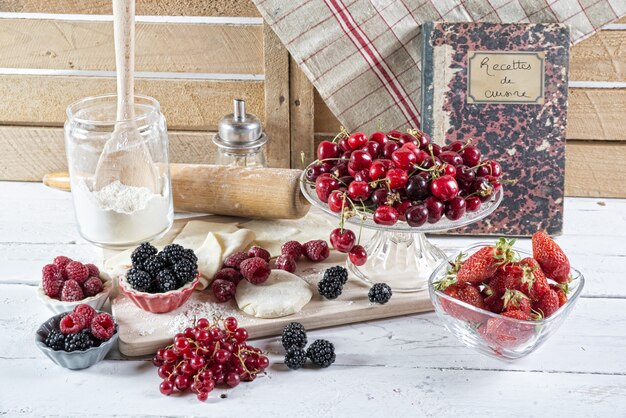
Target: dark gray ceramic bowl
(74, 360)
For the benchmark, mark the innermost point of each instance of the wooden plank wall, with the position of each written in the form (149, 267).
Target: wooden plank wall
(195, 56)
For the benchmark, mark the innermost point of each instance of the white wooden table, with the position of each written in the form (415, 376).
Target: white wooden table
(408, 366)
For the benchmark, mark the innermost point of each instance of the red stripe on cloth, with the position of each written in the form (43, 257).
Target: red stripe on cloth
(373, 58)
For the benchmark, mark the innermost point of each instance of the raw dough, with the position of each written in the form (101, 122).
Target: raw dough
(194, 233)
(235, 241)
(272, 234)
(282, 294)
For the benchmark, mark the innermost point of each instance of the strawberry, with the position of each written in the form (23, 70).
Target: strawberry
(517, 314)
(534, 282)
(495, 303)
(503, 333)
(465, 293)
(547, 304)
(514, 300)
(506, 277)
(481, 265)
(560, 292)
(550, 257)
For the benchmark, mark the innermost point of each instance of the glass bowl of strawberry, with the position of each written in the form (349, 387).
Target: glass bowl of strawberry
(505, 302)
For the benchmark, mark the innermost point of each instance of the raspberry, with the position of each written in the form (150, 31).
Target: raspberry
(93, 270)
(234, 260)
(292, 248)
(259, 252)
(71, 291)
(255, 270)
(49, 271)
(52, 283)
(103, 326)
(228, 274)
(223, 290)
(286, 262)
(76, 270)
(85, 312)
(72, 323)
(62, 261)
(92, 286)
(316, 250)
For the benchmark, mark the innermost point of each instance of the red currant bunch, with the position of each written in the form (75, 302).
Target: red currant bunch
(397, 176)
(205, 356)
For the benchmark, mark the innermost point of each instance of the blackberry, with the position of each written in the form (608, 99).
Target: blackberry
(166, 281)
(173, 253)
(94, 341)
(142, 253)
(330, 287)
(337, 273)
(78, 342)
(379, 293)
(295, 358)
(155, 264)
(321, 353)
(55, 340)
(185, 270)
(140, 280)
(190, 255)
(294, 335)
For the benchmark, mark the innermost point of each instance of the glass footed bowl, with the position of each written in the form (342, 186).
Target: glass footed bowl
(492, 334)
(400, 255)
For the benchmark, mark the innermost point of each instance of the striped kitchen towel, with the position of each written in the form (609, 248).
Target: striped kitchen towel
(364, 56)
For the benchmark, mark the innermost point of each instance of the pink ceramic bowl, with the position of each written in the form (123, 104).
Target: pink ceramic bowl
(159, 302)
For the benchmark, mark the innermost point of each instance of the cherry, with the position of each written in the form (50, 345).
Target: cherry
(386, 215)
(472, 203)
(483, 171)
(232, 379)
(357, 140)
(342, 240)
(360, 160)
(359, 190)
(417, 215)
(401, 207)
(421, 156)
(407, 139)
(422, 139)
(455, 208)
(336, 201)
(435, 148)
(456, 146)
(327, 149)
(403, 158)
(464, 175)
(395, 134)
(435, 209)
(358, 255)
(326, 166)
(417, 188)
(373, 148)
(344, 144)
(340, 170)
(166, 387)
(448, 169)
(379, 137)
(431, 162)
(378, 170)
(389, 149)
(379, 196)
(482, 188)
(451, 157)
(471, 156)
(312, 172)
(397, 178)
(324, 185)
(444, 188)
(495, 170)
(363, 175)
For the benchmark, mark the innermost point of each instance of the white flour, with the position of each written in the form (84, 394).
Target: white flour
(118, 214)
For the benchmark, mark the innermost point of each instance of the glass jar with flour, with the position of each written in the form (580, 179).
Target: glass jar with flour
(112, 211)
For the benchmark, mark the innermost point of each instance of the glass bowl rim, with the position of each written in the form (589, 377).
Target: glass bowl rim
(575, 273)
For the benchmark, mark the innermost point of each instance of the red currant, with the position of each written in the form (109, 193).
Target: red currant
(166, 387)
(358, 255)
(386, 215)
(169, 356)
(203, 395)
(232, 379)
(182, 382)
(203, 323)
(241, 335)
(262, 362)
(230, 323)
(222, 356)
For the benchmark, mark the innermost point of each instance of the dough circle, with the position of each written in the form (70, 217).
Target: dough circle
(282, 294)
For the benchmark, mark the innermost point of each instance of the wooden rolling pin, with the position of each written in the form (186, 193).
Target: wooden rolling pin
(268, 193)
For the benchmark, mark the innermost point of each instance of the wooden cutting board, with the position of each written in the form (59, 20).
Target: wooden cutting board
(142, 333)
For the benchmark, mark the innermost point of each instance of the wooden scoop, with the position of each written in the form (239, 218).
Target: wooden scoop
(125, 156)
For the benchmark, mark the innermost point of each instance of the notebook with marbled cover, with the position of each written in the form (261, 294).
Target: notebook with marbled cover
(505, 87)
